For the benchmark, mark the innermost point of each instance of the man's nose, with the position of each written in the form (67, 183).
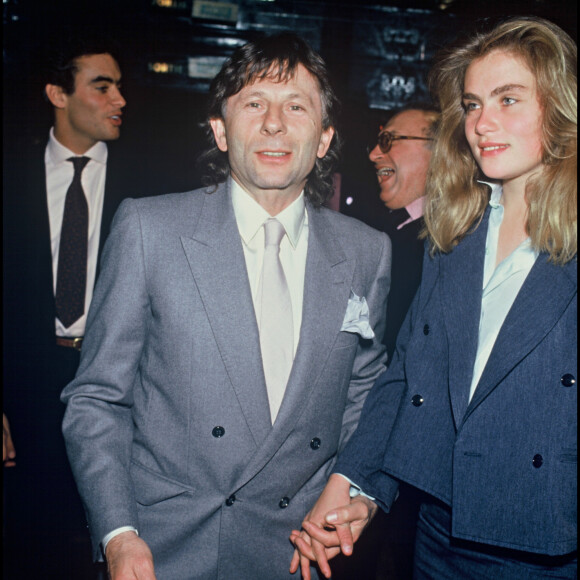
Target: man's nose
(274, 120)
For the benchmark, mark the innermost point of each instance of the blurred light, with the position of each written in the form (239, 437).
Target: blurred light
(165, 68)
(349, 200)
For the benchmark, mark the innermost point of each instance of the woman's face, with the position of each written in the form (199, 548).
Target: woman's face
(503, 117)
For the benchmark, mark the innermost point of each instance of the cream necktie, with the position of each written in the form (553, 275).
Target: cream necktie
(276, 332)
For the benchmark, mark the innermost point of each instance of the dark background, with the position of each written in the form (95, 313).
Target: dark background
(378, 53)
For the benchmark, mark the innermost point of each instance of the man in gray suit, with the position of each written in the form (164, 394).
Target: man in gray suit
(196, 448)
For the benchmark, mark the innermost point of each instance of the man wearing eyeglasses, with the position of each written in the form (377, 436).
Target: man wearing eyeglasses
(401, 156)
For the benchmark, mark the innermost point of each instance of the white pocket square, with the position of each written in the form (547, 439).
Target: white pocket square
(356, 319)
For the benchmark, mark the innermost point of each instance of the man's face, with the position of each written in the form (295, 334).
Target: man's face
(402, 171)
(273, 134)
(92, 112)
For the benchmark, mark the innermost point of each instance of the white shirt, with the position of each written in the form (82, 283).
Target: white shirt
(59, 175)
(250, 217)
(501, 285)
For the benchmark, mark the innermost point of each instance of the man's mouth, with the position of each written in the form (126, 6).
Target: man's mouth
(385, 172)
(274, 153)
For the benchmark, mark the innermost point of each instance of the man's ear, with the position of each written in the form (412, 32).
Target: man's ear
(219, 133)
(325, 140)
(56, 95)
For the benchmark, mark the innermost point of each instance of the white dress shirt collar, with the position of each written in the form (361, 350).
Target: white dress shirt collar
(57, 153)
(250, 215)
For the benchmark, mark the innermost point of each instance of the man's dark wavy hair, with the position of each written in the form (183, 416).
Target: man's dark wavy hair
(61, 53)
(278, 57)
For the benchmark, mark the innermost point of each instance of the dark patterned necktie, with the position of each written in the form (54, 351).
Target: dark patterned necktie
(71, 278)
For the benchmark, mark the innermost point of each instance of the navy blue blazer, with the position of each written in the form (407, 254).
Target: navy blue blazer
(506, 461)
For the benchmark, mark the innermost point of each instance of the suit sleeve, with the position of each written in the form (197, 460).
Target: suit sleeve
(362, 459)
(369, 362)
(98, 426)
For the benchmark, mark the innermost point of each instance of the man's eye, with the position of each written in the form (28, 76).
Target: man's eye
(103, 89)
(296, 108)
(509, 101)
(467, 107)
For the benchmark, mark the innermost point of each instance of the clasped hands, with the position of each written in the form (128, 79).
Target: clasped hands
(332, 526)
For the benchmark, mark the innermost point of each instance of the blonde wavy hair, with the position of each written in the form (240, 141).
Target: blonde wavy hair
(456, 202)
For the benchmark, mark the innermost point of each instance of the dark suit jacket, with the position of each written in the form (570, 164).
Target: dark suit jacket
(405, 277)
(506, 461)
(35, 370)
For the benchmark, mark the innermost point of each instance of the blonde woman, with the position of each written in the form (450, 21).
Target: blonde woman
(478, 408)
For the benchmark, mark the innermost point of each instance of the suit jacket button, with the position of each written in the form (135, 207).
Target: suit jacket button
(568, 380)
(315, 443)
(230, 501)
(284, 502)
(426, 330)
(417, 400)
(218, 432)
(537, 460)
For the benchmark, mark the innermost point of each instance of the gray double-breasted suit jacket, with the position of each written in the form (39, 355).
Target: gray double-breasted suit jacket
(506, 461)
(167, 423)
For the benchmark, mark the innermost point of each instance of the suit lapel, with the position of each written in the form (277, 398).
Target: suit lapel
(216, 259)
(114, 193)
(327, 285)
(39, 230)
(462, 283)
(540, 303)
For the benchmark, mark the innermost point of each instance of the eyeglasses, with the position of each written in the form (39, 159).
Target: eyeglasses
(386, 138)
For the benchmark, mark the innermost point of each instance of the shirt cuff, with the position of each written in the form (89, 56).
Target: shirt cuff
(116, 532)
(355, 489)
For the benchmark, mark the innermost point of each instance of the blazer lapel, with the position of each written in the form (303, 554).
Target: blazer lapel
(544, 296)
(216, 259)
(115, 191)
(37, 226)
(462, 283)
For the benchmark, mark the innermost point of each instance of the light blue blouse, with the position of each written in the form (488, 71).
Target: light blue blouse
(500, 285)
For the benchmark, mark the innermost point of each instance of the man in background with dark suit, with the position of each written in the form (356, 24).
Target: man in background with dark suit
(59, 198)
(401, 157)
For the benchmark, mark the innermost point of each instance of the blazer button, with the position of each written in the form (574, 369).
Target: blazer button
(417, 400)
(284, 502)
(537, 460)
(230, 501)
(315, 443)
(568, 380)
(426, 330)
(218, 432)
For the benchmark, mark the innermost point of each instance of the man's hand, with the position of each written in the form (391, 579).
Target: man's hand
(333, 525)
(8, 451)
(129, 558)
